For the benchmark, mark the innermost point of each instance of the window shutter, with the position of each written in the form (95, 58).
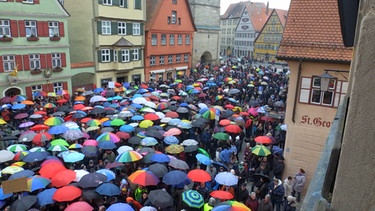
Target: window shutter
(21, 25)
(50, 87)
(36, 1)
(14, 28)
(140, 54)
(26, 62)
(42, 61)
(49, 60)
(111, 55)
(18, 0)
(40, 29)
(19, 62)
(45, 28)
(138, 4)
(65, 85)
(1, 64)
(131, 55)
(99, 56)
(142, 26)
(100, 1)
(114, 28)
(115, 2)
(119, 56)
(29, 92)
(63, 59)
(99, 25)
(129, 28)
(126, 3)
(61, 29)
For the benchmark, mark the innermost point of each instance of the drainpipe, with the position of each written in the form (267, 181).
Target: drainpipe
(296, 93)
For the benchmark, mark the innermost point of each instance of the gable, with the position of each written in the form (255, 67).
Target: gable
(245, 24)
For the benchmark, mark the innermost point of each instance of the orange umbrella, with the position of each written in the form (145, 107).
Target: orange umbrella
(67, 193)
(199, 175)
(27, 102)
(80, 98)
(233, 128)
(63, 178)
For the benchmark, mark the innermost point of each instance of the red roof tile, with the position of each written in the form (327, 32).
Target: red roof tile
(313, 31)
(259, 15)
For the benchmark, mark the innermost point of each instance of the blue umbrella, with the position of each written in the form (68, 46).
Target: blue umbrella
(126, 128)
(110, 174)
(35, 156)
(184, 104)
(20, 174)
(174, 122)
(114, 105)
(141, 91)
(108, 189)
(106, 104)
(4, 196)
(189, 87)
(117, 97)
(98, 90)
(45, 197)
(79, 114)
(137, 118)
(18, 106)
(160, 158)
(171, 140)
(174, 177)
(137, 106)
(110, 99)
(107, 123)
(126, 85)
(90, 151)
(120, 207)
(107, 145)
(203, 159)
(136, 95)
(203, 110)
(149, 141)
(58, 129)
(73, 157)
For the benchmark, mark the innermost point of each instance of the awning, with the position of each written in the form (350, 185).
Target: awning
(157, 71)
(182, 68)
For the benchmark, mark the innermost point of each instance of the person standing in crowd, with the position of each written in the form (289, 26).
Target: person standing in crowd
(252, 202)
(242, 193)
(298, 184)
(276, 190)
(265, 204)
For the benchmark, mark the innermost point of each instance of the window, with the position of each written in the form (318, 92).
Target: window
(170, 59)
(121, 28)
(171, 39)
(8, 63)
(125, 55)
(179, 21)
(179, 39)
(178, 58)
(169, 20)
(56, 60)
(186, 57)
(136, 54)
(187, 39)
(115, 56)
(28, 1)
(174, 17)
(36, 88)
(174, 1)
(5, 28)
(30, 27)
(123, 3)
(53, 29)
(106, 27)
(106, 55)
(163, 39)
(138, 4)
(107, 2)
(57, 86)
(154, 39)
(161, 60)
(34, 61)
(136, 28)
(152, 60)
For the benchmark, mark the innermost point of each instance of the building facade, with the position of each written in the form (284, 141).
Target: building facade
(206, 16)
(228, 24)
(169, 39)
(253, 17)
(268, 41)
(34, 47)
(112, 35)
(312, 45)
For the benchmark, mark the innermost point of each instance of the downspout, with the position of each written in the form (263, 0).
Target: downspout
(296, 92)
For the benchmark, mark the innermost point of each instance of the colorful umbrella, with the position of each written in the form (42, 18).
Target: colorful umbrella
(75, 146)
(202, 151)
(193, 198)
(58, 148)
(17, 147)
(66, 194)
(260, 150)
(20, 155)
(199, 175)
(108, 136)
(174, 148)
(37, 182)
(220, 194)
(11, 169)
(49, 105)
(93, 122)
(128, 156)
(144, 178)
(231, 205)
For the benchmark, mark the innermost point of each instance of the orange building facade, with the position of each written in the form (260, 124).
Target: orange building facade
(169, 39)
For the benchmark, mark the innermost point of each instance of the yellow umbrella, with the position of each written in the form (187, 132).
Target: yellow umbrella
(51, 94)
(19, 163)
(103, 119)
(2, 122)
(146, 124)
(12, 170)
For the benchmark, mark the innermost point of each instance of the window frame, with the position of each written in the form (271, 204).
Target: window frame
(53, 26)
(152, 60)
(161, 60)
(106, 29)
(34, 61)
(105, 55)
(125, 55)
(179, 39)
(5, 28)
(154, 39)
(187, 39)
(174, 1)
(31, 28)
(9, 61)
(163, 39)
(171, 39)
(56, 60)
(57, 86)
(28, 1)
(178, 58)
(115, 56)
(170, 59)
(136, 54)
(107, 2)
(121, 28)
(186, 57)
(36, 88)
(136, 28)
(121, 3)
(174, 17)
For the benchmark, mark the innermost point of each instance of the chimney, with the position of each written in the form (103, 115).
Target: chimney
(268, 7)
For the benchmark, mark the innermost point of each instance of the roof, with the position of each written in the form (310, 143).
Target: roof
(122, 42)
(283, 14)
(313, 32)
(235, 10)
(259, 14)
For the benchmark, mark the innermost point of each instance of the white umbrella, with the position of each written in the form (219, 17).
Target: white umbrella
(5, 156)
(150, 104)
(148, 110)
(97, 98)
(202, 105)
(123, 149)
(165, 120)
(189, 142)
(125, 114)
(79, 174)
(284, 127)
(71, 125)
(226, 178)
(160, 114)
(139, 100)
(134, 124)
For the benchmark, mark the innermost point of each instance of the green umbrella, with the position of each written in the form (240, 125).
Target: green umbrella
(204, 152)
(117, 122)
(221, 136)
(261, 150)
(58, 148)
(59, 142)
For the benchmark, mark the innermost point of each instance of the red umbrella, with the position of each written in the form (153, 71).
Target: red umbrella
(39, 127)
(153, 97)
(176, 98)
(173, 132)
(172, 114)
(51, 169)
(229, 106)
(123, 135)
(267, 119)
(67, 193)
(220, 194)
(151, 116)
(62, 101)
(202, 95)
(144, 86)
(40, 112)
(233, 128)
(144, 178)
(63, 178)
(86, 119)
(199, 175)
(263, 140)
(224, 122)
(79, 107)
(40, 138)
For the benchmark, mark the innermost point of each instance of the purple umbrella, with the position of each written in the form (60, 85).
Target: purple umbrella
(26, 124)
(21, 116)
(73, 134)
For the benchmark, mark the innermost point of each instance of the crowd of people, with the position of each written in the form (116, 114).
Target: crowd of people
(208, 139)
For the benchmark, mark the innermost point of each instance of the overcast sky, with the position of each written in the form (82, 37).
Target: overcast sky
(278, 4)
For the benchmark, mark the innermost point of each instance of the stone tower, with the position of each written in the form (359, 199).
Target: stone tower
(206, 15)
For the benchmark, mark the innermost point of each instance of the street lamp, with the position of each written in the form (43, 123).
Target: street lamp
(324, 81)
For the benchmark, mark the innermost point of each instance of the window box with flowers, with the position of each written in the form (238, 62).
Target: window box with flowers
(33, 38)
(36, 71)
(55, 37)
(57, 69)
(5, 38)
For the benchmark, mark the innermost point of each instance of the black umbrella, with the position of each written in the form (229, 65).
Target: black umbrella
(254, 103)
(110, 93)
(155, 134)
(110, 112)
(107, 129)
(188, 100)
(135, 140)
(97, 110)
(147, 158)
(233, 91)
(146, 150)
(63, 108)
(197, 123)
(23, 203)
(79, 115)
(226, 114)
(59, 113)
(158, 169)
(92, 180)
(265, 178)
(192, 148)
(35, 156)
(182, 110)
(160, 198)
(10, 137)
(90, 151)
(172, 108)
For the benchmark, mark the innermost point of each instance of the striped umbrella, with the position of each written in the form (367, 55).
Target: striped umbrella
(52, 121)
(144, 178)
(11, 170)
(260, 150)
(93, 122)
(37, 182)
(58, 148)
(193, 198)
(20, 155)
(17, 147)
(231, 205)
(174, 149)
(128, 156)
(108, 136)
(49, 105)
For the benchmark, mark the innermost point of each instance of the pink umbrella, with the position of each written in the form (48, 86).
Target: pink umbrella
(90, 142)
(79, 205)
(253, 111)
